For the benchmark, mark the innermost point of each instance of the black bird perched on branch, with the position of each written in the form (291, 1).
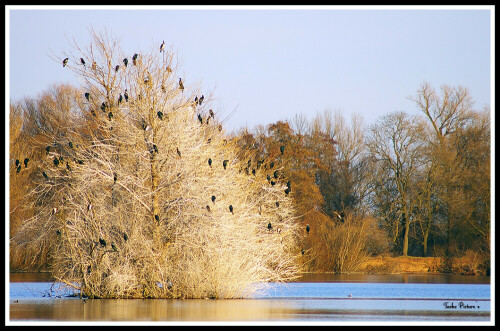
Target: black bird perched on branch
(56, 161)
(102, 242)
(269, 226)
(178, 152)
(18, 169)
(271, 165)
(162, 46)
(47, 149)
(160, 115)
(125, 94)
(224, 163)
(134, 59)
(120, 99)
(45, 175)
(157, 218)
(103, 106)
(117, 67)
(82, 61)
(114, 247)
(87, 96)
(65, 61)
(211, 112)
(308, 228)
(181, 86)
(125, 62)
(213, 198)
(70, 144)
(200, 119)
(17, 163)
(210, 162)
(287, 190)
(26, 160)
(282, 149)
(231, 209)
(276, 174)
(277, 204)
(115, 176)
(208, 208)
(201, 99)
(125, 237)
(110, 115)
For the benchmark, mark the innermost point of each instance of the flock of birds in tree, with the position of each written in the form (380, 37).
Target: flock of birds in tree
(197, 101)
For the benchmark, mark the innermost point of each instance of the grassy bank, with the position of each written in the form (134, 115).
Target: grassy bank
(470, 264)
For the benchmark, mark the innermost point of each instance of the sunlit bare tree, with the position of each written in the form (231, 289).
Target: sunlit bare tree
(142, 194)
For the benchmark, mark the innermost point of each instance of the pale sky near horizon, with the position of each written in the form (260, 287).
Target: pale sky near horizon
(265, 65)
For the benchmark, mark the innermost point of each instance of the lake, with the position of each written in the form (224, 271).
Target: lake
(313, 298)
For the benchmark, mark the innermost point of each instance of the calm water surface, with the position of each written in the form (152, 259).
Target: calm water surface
(313, 298)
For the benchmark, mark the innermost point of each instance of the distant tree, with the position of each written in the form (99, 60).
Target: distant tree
(395, 143)
(457, 146)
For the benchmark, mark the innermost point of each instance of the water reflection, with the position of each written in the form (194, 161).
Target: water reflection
(396, 278)
(150, 310)
(315, 297)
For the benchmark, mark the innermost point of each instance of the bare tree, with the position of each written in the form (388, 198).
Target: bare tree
(142, 193)
(394, 141)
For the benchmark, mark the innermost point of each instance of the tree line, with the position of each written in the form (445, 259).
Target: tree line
(131, 169)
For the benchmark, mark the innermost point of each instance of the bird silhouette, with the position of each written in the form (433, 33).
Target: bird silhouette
(115, 177)
(18, 170)
(125, 62)
(117, 67)
(26, 160)
(134, 59)
(56, 161)
(157, 218)
(224, 163)
(160, 115)
(125, 94)
(45, 175)
(125, 237)
(269, 226)
(308, 228)
(208, 208)
(102, 242)
(82, 61)
(110, 115)
(231, 209)
(178, 152)
(47, 149)
(17, 163)
(65, 61)
(213, 198)
(114, 247)
(181, 85)
(201, 99)
(70, 144)
(200, 119)
(162, 46)
(210, 162)
(87, 96)
(287, 190)
(282, 149)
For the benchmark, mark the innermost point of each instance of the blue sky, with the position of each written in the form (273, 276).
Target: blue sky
(265, 65)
